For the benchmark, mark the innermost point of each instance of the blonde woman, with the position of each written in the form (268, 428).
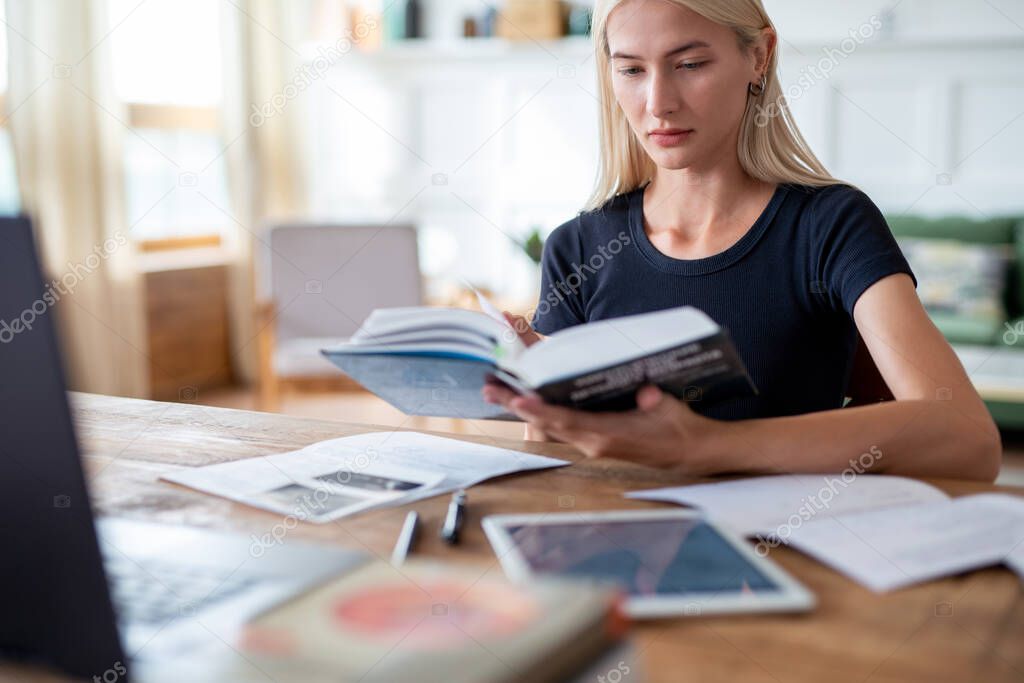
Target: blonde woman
(708, 196)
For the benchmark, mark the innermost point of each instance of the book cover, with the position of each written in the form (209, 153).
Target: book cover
(426, 622)
(707, 370)
(430, 385)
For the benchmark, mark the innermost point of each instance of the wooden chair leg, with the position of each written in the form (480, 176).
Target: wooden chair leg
(269, 384)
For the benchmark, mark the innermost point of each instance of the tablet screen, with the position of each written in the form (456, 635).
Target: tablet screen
(644, 557)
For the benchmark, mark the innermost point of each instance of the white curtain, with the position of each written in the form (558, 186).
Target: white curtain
(263, 41)
(66, 129)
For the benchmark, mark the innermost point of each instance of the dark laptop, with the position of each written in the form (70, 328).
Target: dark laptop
(96, 600)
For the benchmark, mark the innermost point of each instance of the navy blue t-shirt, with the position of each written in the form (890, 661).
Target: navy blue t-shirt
(785, 291)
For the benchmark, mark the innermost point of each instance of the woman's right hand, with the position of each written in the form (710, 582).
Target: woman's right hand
(521, 325)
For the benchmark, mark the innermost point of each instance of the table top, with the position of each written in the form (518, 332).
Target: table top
(966, 628)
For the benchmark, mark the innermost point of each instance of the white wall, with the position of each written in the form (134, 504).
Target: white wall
(925, 113)
(826, 21)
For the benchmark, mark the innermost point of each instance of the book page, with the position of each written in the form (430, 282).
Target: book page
(604, 343)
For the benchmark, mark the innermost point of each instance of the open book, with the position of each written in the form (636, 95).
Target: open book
(435, 361)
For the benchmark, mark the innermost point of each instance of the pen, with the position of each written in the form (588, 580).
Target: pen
(453, 520)
(406, 538)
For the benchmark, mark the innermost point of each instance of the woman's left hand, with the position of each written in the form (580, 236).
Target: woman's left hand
(661, 432)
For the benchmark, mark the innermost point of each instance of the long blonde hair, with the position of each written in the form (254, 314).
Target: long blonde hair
(771, 147)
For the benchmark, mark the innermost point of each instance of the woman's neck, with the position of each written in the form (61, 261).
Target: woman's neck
(694, 214)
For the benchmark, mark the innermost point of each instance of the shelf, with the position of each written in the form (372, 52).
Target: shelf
(571, 48)
(579, 48)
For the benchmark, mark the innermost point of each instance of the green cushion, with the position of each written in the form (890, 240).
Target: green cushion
(961, 279)
(962, 330)
(1008, 415)
(1006, 230)
(1015, 303)
(992, 231)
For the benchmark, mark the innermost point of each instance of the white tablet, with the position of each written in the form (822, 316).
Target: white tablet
(668, 562)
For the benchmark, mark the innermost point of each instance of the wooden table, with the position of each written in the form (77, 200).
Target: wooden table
(968, 628)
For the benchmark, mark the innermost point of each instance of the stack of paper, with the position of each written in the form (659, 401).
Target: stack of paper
(331, 479)
(888, 549)
(883, 532)
(769, 506)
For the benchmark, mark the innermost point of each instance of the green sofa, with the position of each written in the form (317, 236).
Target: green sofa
(991, 348)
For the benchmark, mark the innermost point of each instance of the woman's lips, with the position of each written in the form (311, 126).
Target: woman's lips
(670, 137)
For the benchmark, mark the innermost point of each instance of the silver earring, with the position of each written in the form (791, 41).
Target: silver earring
(758, 90)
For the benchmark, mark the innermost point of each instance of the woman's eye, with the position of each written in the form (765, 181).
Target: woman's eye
(692, 66)
(630, 71)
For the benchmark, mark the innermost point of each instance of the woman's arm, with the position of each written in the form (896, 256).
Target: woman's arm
(936, 427)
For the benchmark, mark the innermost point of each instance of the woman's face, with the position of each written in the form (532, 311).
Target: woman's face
(681, 80)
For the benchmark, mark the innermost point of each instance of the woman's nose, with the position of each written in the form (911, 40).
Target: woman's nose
(662, 96)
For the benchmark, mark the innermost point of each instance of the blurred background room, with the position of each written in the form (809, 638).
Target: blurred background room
(223, 187)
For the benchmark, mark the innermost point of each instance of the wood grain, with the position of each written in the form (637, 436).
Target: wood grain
(966, 628)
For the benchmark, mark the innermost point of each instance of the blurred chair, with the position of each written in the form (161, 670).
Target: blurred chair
(324, 280)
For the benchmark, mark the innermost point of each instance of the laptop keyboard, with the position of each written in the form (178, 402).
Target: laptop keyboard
(155, 593)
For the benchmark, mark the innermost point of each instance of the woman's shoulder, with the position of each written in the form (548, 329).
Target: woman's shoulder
(821, 214)
(827, 202)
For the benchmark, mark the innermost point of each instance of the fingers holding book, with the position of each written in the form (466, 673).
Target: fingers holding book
(497, 392)
(661, 432)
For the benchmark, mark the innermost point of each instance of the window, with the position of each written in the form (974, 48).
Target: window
(167, 70)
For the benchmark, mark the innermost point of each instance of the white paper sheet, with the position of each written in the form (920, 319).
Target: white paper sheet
(888, 549)
(772, 505)
(485, 304)
(354, 469)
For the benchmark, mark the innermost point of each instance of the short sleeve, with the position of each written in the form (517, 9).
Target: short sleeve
(856, 249)
(560, 304)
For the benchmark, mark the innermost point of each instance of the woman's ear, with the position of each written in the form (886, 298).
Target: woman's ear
(763, 49)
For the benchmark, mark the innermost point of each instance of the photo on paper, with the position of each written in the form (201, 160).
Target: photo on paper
(378, 482)
(346, 489)
(314, 502)
(370, 482)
